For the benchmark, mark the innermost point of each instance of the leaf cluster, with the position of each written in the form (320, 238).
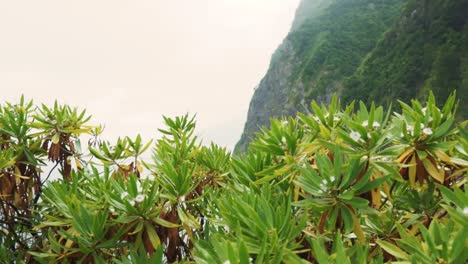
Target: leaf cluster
(334, 186)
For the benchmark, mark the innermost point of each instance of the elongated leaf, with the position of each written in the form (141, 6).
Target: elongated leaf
(371, 185)
(459, 161)
(412, 171)
(452, 197)
(188, 218)
(319, 252)
(165, 223)
(431, 168)
(243, 253)
(358, 229)
(393, 250)
(152, 235)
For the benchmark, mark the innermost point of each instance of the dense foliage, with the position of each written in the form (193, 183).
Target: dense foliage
(426, 49)
(336, 186)
(332, 46)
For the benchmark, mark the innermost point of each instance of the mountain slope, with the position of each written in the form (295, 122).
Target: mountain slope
(328, 41)
(370, 50)
(426, 49)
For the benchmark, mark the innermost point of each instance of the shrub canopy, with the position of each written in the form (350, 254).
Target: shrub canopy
(353, 184)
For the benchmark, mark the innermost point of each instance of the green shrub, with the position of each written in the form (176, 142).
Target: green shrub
(335, 186)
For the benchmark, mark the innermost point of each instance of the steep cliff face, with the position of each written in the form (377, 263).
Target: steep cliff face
(270, 97)
(327, 42)
(370, 50)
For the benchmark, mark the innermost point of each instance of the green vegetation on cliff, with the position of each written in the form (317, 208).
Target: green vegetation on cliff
(332, 45)
(427, 48)
(317, 56)
(369, 50)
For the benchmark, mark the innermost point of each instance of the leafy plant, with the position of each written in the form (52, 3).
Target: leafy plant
(332, 186)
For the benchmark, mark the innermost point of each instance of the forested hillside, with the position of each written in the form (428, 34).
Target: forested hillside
(371, 50)
(426, 49)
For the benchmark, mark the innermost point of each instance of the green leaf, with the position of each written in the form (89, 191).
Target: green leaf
(358, 202)
(98, 155)
(152, 235)
(347, 195)
(243, 253)
(393, 250)
(371, 185)
(442, 129)
(439, 175)
(347, 218)
(165, 223)
(187, 218)
(451, 197)
(319, 251)
(43, 255)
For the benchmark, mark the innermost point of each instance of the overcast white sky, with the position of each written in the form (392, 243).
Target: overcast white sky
(130, 62)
